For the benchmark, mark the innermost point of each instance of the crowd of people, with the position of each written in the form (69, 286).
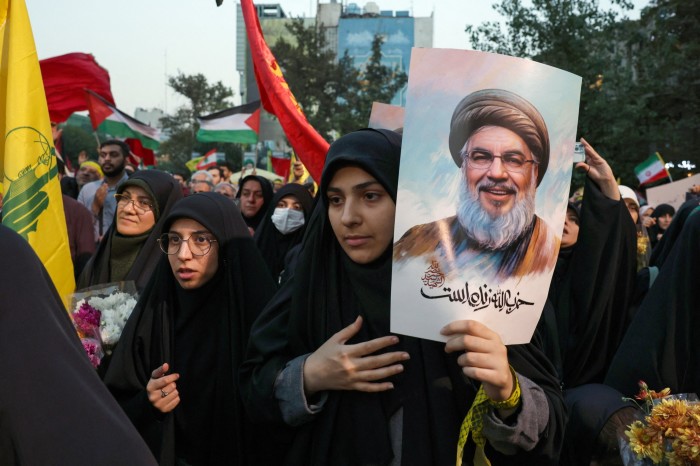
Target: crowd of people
(261, 333)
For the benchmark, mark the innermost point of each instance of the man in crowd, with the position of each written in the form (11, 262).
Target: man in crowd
(201, 182)
(215, 173)
(98, 196)
(501, 145)
(226, 171)
(89, 171)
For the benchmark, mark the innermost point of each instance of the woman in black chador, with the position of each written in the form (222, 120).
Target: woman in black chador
(174, 370)
(53, 407)
(284, 225)
(129, 250)
(321, 357)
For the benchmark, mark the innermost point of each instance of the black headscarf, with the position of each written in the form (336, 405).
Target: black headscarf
(202, 334)
(274, 245)
(53, 407)
(267, 192)
(656, 230)
(326, 293)
(166, 192)
(660, 346)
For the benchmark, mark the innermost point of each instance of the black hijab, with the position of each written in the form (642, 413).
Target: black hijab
(166, 192)
(327, 292)
(202, 334)
(274, 245)
(660, 346)
(656, 230)
(267, 192)
(53, 407)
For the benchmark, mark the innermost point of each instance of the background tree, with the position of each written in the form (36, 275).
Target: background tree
(375, 83)
(181, 127)
(336, 96)
(634, 97)
(318, 82)
(76, 139)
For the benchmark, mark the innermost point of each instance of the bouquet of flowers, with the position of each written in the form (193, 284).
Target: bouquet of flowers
(99, 315)
(669, 434)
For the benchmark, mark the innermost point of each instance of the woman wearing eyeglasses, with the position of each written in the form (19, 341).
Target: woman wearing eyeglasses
(129, 250)
(174, 371)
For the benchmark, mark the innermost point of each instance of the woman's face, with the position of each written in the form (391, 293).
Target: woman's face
(361, 213)
(289, 202)
(190, 269)
(135, 212)
(633, 209)
(570, 235)
(664, 221)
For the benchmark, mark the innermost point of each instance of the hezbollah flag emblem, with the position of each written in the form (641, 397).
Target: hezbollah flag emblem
(32, 205)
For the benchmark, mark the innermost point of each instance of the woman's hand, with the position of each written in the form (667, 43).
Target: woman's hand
(161, 389)
(485, 356)
(598, 170)
(337, 366)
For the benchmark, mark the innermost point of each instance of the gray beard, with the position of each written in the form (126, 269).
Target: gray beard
(494, 233)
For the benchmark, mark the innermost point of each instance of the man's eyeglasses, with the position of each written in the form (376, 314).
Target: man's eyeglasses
(141, 204)
(480, 159)
(199, 243)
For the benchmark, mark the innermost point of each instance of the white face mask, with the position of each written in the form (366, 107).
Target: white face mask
(287, 220)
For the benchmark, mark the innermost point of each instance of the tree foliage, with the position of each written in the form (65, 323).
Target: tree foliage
(640, 78)
(181, 127)
(335, 96)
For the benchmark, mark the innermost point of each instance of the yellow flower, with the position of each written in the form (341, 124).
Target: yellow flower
(645, 441)
(669, 416)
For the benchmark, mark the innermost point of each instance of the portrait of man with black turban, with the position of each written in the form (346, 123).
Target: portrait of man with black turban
(499, 142)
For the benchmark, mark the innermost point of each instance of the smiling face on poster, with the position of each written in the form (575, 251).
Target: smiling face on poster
(484, 179)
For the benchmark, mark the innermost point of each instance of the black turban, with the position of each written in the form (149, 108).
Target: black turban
(498, 107)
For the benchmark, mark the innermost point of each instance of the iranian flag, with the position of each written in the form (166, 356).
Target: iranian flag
(109, 119)
(238, 124)
(651, 170)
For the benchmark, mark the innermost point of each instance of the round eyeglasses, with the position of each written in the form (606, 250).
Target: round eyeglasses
(480, 159)
(141, 204)
(199, 243)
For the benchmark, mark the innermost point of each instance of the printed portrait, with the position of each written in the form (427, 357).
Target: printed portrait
(485, 166)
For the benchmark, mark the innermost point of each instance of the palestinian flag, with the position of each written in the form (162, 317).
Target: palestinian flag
(651, 170)
(108, 119)
(238, 124)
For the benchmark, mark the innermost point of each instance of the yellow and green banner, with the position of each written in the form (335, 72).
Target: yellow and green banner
(32, 203)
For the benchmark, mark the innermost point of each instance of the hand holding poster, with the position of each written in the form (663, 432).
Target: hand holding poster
(485, 170)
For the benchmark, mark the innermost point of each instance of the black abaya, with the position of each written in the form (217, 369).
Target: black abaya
(273, 244)
(326, 292)
(53, 407)
(660, 346)
(267, 193)
(202, 334)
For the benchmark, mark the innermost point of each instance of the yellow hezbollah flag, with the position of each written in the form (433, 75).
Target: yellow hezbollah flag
(32, 204)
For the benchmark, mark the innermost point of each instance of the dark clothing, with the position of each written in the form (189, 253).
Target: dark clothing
(586, 314)
(53, 407)
(274, 245)
(655, 230)
(201, 334)
(141, 263)
(660, 346)
(267, 192)
(81, 238)
(326, 292)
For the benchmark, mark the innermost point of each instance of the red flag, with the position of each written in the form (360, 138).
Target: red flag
(280, 165)
(142, 154)
(278, 99)
(66, 76)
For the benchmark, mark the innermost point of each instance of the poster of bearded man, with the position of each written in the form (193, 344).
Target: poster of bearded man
(485, 171)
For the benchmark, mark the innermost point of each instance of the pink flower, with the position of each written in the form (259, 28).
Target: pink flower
(93, 349)
(86, 318)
